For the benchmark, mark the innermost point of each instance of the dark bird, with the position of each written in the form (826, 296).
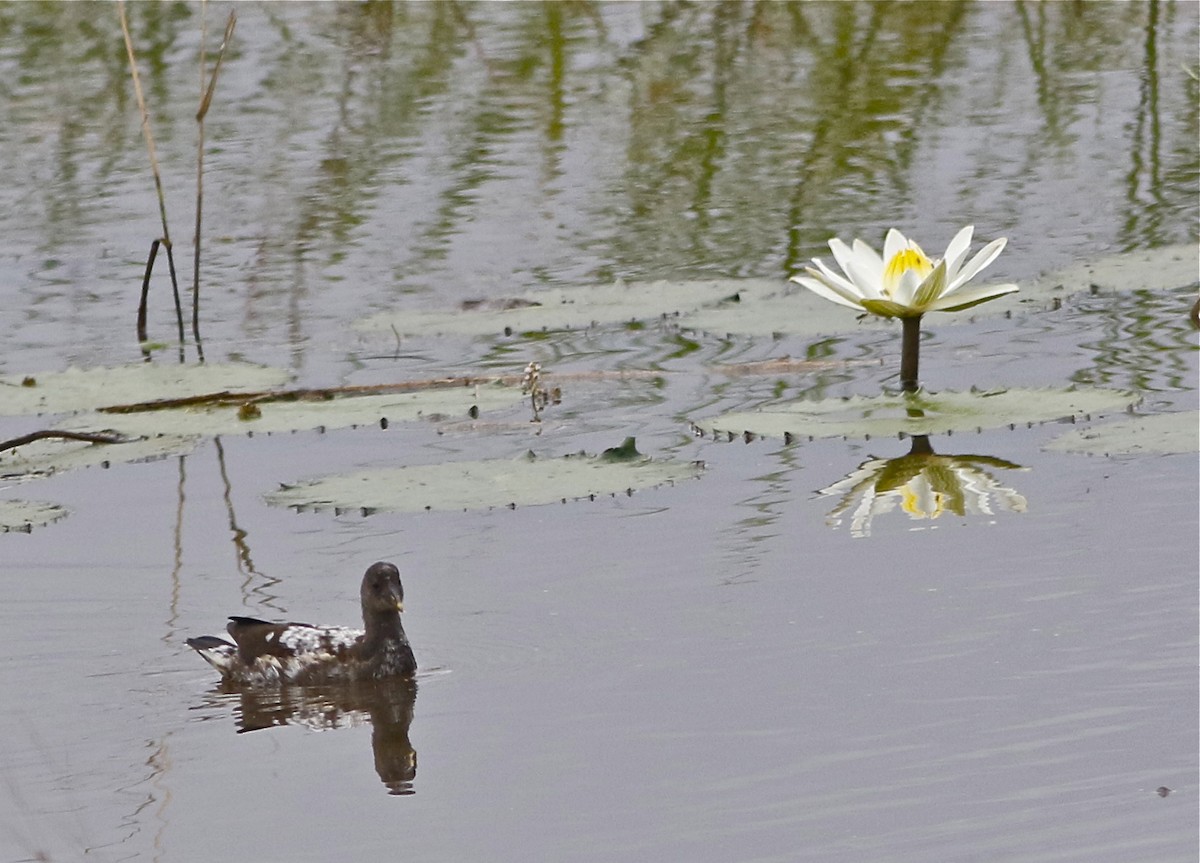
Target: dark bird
(272, 653)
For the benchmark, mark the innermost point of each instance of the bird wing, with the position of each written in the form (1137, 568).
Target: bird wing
(257, 638)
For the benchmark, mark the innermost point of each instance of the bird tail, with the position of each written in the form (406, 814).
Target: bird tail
(217, 652)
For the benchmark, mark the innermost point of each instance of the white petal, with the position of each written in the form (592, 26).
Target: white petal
(868, 287)
(919, 499)
(868, 262)
(906, 289)
(835, 280)
(968, 297)
(956, 252)
(843, 255)
(986, 255)
(931, 289)
(825, 291)
(915, 246)
(894, 243)
(859, 271)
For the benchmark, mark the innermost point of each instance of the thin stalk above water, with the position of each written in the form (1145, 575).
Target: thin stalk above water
(910, 353)
(206, 94)
(165, 240)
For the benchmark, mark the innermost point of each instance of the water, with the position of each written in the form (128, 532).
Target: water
(710, 671)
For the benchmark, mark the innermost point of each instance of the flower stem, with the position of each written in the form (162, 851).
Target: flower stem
(921, 445)
(910, 353)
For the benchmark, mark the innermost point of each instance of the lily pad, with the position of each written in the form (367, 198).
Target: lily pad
(42, 458)
(776, 310)
(1148, 269)
(25, 515)
(917, 413)
(454, 486)
(790, 311)
(277, 416)
(569, 308)
(88, 389)
(1162, 434)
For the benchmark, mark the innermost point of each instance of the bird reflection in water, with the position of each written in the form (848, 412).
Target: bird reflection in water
(386, 705)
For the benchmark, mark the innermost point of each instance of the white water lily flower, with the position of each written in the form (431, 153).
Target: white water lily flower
(905, 283)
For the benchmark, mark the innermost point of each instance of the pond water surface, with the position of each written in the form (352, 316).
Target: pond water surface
(728, 668)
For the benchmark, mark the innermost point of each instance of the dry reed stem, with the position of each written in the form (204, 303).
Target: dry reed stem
(199, 186)
(146, 131)
(162, 201)
(206, 95)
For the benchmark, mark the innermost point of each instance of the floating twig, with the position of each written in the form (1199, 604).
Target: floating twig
(225, 398)
(87, 437)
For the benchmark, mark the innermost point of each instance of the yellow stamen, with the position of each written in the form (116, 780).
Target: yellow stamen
(910, 502)
(911, 258)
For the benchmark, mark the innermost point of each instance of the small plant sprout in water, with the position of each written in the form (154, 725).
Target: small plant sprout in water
(539, 396)
(905, 283)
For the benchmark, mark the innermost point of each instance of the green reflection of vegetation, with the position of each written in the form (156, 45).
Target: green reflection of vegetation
(1146, 180)
(64, 96)
(756, 124)
(387, 148)
(747, 540)
(1143, 342)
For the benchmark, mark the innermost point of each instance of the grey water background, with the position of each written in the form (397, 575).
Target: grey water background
(709, 671)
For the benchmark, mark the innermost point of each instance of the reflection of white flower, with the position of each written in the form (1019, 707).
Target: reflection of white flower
(905, 283)
(924, 485)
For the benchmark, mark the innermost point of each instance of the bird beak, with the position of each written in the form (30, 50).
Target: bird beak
(399, 605)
